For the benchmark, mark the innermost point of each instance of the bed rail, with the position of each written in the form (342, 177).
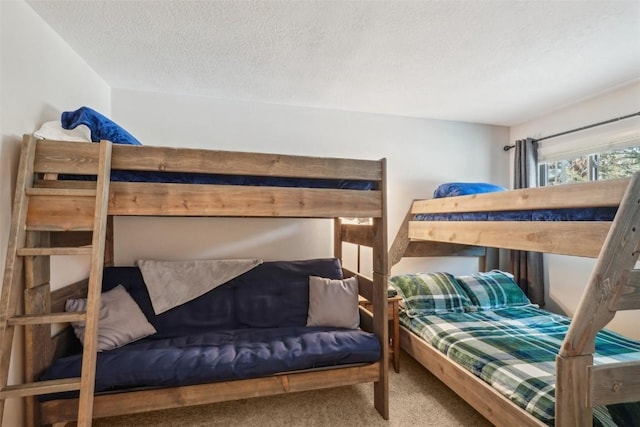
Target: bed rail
(557, 237)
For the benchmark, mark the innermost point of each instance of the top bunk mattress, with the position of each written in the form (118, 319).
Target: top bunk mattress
(224, 179)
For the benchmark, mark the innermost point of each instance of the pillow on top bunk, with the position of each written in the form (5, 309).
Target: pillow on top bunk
(333, 302)
(101, 127)
(121, 320)
(452, 189)
(430, 293)
(494, 289)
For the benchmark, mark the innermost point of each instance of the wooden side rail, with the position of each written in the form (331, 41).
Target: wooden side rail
(557, 237)
(614, 383)
(629, 298)
(57, 156)
(357, 234)
(578, 195)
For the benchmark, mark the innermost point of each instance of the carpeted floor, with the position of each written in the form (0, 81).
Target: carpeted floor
(417, 398)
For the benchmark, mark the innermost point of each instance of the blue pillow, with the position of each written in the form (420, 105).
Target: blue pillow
(451, 189)
(101, 127)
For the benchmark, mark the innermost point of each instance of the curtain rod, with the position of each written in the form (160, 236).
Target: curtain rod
(509, 147)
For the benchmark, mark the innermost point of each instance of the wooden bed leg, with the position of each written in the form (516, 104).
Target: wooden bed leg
(571, 390)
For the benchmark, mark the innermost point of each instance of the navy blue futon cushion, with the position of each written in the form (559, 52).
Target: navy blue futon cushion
(211, 311)
(273, 294)
(222, 355)
(276, 294)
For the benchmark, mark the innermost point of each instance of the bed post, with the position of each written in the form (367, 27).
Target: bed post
(597, 307)
(337, 239)
(108, 247)
(380, 310)
(38, 351)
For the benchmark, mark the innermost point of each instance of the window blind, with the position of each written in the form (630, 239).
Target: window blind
(617, 135)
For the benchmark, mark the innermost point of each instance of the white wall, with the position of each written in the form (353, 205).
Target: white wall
(420, 154)
(40, 76)
(567, 276)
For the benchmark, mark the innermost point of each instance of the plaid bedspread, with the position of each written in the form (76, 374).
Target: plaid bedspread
(514, 350)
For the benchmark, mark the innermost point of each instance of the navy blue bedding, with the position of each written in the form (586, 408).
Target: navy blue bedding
(222, 355)
(591, 214)
(221, 179)
(453, 189)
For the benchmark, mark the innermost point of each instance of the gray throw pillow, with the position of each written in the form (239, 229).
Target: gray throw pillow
(333, 303)
(121, 320)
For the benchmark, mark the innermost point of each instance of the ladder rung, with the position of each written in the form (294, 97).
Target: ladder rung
(40, 387)
(43, 319)
(82, 250)
(78, 192)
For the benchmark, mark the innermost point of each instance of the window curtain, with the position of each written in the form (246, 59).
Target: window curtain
(527, 267)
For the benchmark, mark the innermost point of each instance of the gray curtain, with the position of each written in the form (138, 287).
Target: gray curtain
(527, 267)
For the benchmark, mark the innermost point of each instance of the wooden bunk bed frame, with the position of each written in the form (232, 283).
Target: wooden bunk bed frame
(49, 158)
(614, 285)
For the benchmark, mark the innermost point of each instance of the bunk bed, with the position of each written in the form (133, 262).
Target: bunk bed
(229, 184)
(466, 225)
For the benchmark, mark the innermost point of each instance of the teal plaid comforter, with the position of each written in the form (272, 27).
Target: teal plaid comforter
(514, 350)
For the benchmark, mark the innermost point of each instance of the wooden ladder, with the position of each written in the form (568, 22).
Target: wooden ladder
(33, 220)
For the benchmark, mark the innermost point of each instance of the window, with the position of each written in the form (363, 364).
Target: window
(610, 164)
(607, 152)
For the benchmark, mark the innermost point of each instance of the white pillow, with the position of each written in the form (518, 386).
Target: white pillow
(121, 320)
(333, 303)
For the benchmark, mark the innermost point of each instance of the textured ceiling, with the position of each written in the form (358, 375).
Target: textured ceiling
(493, 61)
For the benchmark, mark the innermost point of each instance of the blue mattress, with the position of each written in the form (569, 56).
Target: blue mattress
(220, 356)
(591, 214)
(222, 179)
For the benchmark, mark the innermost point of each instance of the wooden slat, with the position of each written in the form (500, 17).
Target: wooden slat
(74, 290)
(65, 239)
(40, 387)
(441, 249)
(630, 293)
(60, 213)
(62, 192)
(57, 157)
(357, 234)
(549, 237)
(477, 393)
(614, 383)
(171, 159)
(64, 184)
(225, 200)
(150, 400)
(41, 319)
(572, 388)
(589, 194)
(85, 250)
(365, 284)
(67, 157)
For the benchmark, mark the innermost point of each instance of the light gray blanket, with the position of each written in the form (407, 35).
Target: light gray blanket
(171, 283)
